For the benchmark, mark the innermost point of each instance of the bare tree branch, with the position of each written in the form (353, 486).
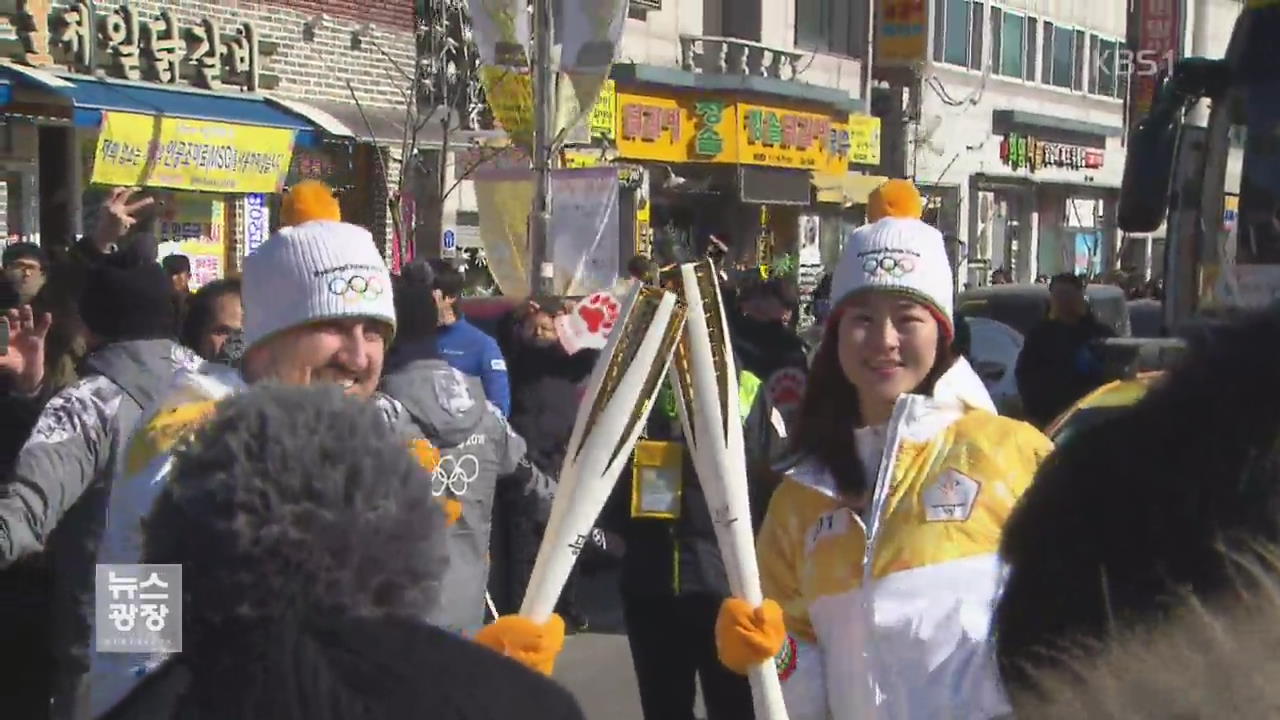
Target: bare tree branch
(497, 152)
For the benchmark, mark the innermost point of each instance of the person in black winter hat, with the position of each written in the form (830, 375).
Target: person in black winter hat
(128, 296)
(310, 544)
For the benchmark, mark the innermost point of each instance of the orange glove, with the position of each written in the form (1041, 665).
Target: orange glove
(521, 639)
(747, 636)
(452, 511)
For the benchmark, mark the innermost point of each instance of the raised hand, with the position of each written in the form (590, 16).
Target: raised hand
(118, 215)
(24, 358)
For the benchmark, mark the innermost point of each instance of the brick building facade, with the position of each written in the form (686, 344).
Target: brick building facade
(349, 59)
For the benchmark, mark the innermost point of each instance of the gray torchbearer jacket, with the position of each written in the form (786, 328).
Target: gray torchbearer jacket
(57, 496)
(477, 447)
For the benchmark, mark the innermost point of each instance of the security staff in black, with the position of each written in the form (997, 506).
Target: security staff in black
(673, 578)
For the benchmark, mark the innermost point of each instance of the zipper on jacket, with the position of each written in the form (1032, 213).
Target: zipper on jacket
(884, 479)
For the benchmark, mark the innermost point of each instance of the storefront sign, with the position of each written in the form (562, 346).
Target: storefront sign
(604, 115)
(785, 138)
(1159, 36)
(676, 130)
(190, 154)
(1021, 151)
(123, 43)
(256, 221)
(864, 139)
(901, 32)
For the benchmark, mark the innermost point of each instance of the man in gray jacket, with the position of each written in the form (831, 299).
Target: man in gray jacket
(425, 395)
(56, 498)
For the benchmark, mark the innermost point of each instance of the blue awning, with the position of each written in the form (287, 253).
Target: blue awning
(91, 96)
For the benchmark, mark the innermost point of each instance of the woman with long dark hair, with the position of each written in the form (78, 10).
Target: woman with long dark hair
(878, 551)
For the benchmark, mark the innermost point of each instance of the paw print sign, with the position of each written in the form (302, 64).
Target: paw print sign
(786, 389)
(590, 323)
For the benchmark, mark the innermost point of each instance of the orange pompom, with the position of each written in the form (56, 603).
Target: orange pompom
(895, 198)
(309, 200)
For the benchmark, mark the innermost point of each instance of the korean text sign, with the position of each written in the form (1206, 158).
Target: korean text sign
(194, 155)
(779, 137)
(694, 129)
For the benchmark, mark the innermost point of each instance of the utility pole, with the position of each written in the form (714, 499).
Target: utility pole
(541, 270)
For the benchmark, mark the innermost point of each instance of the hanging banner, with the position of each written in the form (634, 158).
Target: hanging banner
(584, 234)
(589, 32)
(502, 35)
(864, 139)
(504, 198)
(256, 217)
(182, 154)
(584, 243)
(1159, 36)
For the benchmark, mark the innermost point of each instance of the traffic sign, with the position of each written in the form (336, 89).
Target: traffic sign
(449, 244)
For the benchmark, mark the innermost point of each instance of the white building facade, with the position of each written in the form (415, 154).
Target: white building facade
(1016, 131)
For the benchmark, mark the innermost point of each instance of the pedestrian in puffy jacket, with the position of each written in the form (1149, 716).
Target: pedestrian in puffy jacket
(477, 446)
(319, 310)
(57, 494)
(307, 604)
(465, 346)
(878, 551)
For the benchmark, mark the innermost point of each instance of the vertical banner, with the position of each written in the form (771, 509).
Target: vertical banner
(502, 35)
(256, 217)
(585, 236)
(1159, 36)
(504, 198)
(588, 32)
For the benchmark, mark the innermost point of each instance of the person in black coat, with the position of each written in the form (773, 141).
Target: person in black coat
(547, 385)
(310, 544)
(1059, 363)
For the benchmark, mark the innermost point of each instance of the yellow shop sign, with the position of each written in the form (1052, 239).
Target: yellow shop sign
(694, 129)
(864, 139)
(198, 155)
(778, 137)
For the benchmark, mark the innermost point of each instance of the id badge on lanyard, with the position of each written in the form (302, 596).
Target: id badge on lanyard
(657, 480)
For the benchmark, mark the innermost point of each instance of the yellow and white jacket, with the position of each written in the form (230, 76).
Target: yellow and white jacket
(888, 613)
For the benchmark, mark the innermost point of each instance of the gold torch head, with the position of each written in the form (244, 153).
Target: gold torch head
(632, 329)
(710, 305)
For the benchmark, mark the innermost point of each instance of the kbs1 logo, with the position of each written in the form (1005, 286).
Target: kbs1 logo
(1125, 62)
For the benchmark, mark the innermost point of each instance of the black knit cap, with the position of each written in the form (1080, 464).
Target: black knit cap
(128, 296)
(25, 251)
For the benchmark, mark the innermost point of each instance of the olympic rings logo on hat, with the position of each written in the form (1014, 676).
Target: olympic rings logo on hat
(892, 265)
(356, 288)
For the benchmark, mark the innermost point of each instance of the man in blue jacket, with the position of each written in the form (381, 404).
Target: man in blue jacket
(466, 347)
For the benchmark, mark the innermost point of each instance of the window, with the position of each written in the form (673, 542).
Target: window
(1008, 38)
(1032, 27)
(958, 39)
(976, 19)
(1063, 57)
(1105, 58)
(838, 27)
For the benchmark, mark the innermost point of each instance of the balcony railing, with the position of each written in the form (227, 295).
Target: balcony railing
(733, 56)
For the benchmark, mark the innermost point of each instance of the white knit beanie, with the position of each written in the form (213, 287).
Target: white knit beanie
(317, 270)
(900, 254)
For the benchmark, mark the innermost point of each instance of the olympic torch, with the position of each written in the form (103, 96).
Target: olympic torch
(706, 382)
(623, 386)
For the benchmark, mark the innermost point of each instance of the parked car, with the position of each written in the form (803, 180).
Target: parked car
(1146, 318)
(1023, 306)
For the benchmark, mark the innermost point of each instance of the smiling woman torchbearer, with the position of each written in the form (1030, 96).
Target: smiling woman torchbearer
(878, 551)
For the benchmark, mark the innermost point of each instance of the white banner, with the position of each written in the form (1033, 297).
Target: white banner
(584, 242)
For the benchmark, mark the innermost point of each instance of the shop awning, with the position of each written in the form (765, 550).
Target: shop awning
(91, 96)
(847, 189)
